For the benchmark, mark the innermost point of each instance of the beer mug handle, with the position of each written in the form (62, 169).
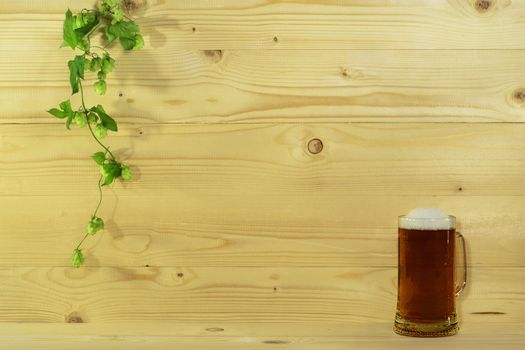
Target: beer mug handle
(460, 286)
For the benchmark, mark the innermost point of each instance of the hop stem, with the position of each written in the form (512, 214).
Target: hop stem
(107, 151)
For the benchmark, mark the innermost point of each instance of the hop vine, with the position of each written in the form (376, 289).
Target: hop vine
(109, 18)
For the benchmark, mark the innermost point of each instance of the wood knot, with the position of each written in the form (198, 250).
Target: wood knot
(180, 275)
(74, 318)
(215, 329)
(275, 342)
(131, 6)
(214, 55)
(483, 5)
(519, 95)
(315, 146)
(275, 39)
(352, 73)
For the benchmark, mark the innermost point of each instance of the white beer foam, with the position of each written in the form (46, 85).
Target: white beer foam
(427, 219)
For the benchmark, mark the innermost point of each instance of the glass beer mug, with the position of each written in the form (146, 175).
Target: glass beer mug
(427, 265)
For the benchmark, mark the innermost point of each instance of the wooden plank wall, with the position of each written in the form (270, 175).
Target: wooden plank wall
(230, 217)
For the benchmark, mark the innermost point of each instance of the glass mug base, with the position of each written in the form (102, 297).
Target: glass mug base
(433, 329)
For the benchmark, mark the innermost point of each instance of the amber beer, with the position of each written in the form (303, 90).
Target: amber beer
(426, 275)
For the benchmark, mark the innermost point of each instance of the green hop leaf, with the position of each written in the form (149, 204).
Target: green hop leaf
(108, 180)
(76, 72)
(66, 105)
(103, 170)
(106, 121)
(99, 157)
(126, 172)
(89, 21)
(85, 18)
(139, 42)
(69, 35)
(94, 225)
(100, 87)
(127, 43)
(77, 27)
(80, 20)
(125, 31)
(64, 111)
(84, 45)
(78, 258)
(110, 37)
(90, 17)
(100, 131)
(80, 119)
(57, 113)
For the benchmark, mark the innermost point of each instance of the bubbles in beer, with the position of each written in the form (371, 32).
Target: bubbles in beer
(427, 219)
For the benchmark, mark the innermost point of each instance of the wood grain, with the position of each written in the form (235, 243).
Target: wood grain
(254, 230)
(278, 294)
(241, 86)
(233, 234)
(222, 328)
(258, 159)
(249, 335)
(182, 80)
(199, 199)
(297, 24)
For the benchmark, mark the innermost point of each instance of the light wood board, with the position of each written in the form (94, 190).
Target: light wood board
(306, 86)
(361, 74)
(219, 159)
(278, 294)
(201, 199)
(297, 24)
(253, 231)
(233, 235)
(249, 335)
